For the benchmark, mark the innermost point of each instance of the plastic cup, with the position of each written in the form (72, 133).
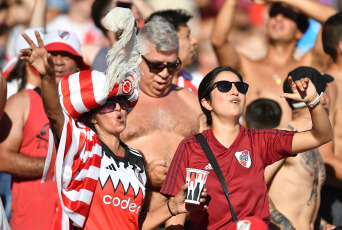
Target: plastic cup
(195, 178)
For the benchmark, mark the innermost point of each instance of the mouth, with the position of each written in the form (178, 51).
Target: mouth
(235, 101)
(160, 85)
(119, 118)
(59, 74)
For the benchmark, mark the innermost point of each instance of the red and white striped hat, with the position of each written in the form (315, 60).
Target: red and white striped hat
(86, 90)
(83, 91)
(67, 41)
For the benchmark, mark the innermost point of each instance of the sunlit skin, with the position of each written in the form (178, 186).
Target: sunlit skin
(187, 46)
(110, 124)
(157, 85)
(225, 106)
(282, 29)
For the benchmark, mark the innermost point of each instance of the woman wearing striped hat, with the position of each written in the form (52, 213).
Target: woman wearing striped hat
(100, 180)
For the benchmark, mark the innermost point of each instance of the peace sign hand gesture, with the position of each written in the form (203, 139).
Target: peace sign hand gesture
(38, 57)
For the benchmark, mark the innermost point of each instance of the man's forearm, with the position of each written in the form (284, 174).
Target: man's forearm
(21, 165)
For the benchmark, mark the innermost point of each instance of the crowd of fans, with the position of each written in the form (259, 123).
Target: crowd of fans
(100, 101)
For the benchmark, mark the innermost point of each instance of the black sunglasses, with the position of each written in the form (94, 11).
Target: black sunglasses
(226, 86)
(110, 105)
(287, 12)
(157, 67)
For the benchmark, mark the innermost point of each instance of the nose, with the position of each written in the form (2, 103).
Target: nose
(164, 74)
(193, 39)
(234, 90)
(57, 59)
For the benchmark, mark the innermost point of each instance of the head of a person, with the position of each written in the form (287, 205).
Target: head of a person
(187, 42)
(222, 94)
(100, 119)
(99, 10)
(65, 48)
(263, 114)
(332, 35)
(286, 24)
(158, 45)
(319, 80)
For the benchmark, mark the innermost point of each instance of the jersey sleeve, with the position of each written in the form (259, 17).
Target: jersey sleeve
(276, 145)
(77, 169)
(176, 175)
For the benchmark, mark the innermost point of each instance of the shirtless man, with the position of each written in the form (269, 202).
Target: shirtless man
(187, 44)
(294, 183)
(284, 28)
(165, 113)
(331, 209)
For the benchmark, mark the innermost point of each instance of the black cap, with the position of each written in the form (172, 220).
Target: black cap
(319, 80)
(300, 19)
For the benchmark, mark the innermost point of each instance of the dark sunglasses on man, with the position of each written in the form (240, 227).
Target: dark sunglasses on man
(157, 67)
(226, 86)
(110, 105)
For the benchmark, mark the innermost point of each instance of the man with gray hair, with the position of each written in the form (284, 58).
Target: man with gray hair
(165, 113)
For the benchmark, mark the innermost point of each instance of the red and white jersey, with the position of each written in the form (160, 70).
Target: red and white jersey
(120, 192)
(95, 186)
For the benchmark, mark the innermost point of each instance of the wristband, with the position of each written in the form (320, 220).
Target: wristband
(316, 101)
(167, 203)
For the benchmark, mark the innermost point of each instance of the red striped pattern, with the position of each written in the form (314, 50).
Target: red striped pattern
(80, 169)
(83, 91)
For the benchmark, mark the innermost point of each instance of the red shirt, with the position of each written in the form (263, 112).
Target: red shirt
(35, 205)
(242, 166)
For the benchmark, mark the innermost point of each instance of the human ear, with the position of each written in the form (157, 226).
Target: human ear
(206, 104)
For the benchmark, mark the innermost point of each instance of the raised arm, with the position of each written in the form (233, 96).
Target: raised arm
(224, 50)
(42, 61)
(311, 8)
(38, 14)
(321, 132)
(143, 8)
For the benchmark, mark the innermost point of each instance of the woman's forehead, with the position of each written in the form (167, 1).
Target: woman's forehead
(227, 75)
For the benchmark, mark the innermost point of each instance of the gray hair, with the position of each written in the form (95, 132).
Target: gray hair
(160, 33)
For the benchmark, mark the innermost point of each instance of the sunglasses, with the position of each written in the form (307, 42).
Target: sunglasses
(285, 11)
(157, 67)
(110, 105)
(226, 86)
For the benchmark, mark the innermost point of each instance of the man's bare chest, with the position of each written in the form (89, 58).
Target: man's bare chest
(171, 119)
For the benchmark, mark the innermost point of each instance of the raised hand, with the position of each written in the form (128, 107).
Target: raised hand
(38, 57)
(303, 90)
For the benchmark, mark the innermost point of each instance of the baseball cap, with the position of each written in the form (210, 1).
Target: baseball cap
(319, 80)
(67, 41)
(300, 19)
(248, 223)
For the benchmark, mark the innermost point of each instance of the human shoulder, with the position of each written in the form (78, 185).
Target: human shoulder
(18, 103)
(186, 96)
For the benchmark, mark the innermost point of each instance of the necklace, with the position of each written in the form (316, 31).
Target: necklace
(277, 78)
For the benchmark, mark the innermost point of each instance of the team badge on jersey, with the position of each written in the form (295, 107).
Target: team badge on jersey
(243, 158)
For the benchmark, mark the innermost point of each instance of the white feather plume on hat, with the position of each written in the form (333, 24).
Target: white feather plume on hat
(123, 58)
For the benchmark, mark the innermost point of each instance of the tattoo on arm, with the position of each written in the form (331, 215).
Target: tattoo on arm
(278, 218)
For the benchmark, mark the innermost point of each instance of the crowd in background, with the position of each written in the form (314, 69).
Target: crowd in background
(248, 34)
